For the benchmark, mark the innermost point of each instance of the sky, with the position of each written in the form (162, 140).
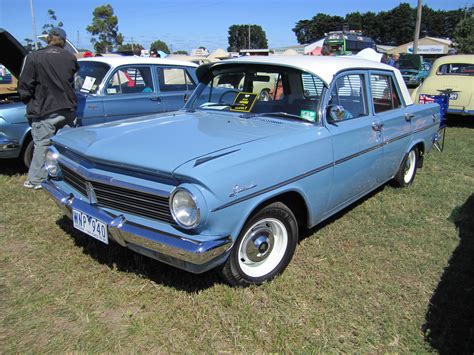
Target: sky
(188, 24)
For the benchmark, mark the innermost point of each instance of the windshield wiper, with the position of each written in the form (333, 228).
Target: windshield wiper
(281, 114)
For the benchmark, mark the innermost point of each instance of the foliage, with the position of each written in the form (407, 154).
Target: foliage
(239, 37)
(48, 26)
(393, 27)
(159, 46)
(181, 52)
(464, 35)
(104, 29)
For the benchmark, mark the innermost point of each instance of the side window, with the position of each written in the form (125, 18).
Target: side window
(384, 94)
(175, 79)
(130, 80)
(312, 86)
(348, 91)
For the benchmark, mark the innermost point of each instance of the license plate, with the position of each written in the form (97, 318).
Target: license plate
(453, 96)
(90, 225)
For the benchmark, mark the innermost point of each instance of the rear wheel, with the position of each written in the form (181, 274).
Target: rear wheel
(264, 247)
(406, 173)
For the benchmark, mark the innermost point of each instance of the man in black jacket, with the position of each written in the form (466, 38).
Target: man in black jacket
(46, 86)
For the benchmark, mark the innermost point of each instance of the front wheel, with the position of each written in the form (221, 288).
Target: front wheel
(27, 153)
(264, 247)
(406, 173)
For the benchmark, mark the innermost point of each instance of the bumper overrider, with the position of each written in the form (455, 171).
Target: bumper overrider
(193, 256)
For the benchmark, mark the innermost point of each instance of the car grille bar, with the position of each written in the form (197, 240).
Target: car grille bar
(122, 199)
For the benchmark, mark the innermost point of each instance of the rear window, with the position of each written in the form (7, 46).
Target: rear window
(456, 69)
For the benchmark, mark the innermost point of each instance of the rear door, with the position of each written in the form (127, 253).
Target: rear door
(131, 91)
(397, 120)
(176, 85)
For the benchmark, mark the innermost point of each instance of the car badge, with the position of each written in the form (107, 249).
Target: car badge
(238, 189)
(91, 193)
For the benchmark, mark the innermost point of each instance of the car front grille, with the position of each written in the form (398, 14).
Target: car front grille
(122, 199)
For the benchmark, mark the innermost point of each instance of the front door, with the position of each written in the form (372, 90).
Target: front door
(357, 140)
(130, 92)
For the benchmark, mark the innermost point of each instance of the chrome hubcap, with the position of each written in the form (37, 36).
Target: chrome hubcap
(263, 247)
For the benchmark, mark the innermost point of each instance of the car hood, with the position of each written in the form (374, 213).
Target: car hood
(12, 53)
(164, 142)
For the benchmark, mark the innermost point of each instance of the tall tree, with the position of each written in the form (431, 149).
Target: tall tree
(54, 22)
(239, 38)
(307, 31)
(464, 35)
(159, 45)
(104, 29)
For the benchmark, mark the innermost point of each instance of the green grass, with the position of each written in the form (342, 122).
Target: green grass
(394, 273)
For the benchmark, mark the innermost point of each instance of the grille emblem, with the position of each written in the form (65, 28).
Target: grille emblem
(91, 193)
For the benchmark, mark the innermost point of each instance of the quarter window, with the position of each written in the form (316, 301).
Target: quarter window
(348, 91)
(130, 80)
(175, 79)
(384, 94)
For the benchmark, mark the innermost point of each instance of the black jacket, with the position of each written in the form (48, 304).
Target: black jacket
(46, 82)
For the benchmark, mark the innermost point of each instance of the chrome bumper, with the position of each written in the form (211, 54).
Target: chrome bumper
(193, 256)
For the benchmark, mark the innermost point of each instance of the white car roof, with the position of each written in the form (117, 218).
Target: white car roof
(325, 67)
(124, 60)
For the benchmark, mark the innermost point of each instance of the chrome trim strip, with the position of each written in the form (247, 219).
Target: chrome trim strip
(178, 251)
(321, 168)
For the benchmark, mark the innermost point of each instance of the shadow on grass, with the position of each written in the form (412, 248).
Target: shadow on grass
(123, 259)
(449, 326)
(460, 121)
(12, 167)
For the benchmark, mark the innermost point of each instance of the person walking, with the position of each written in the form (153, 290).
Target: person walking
(46, 86)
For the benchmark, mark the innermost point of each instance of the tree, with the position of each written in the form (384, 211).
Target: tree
(307, 31)
(29, 45)
(181, 52)
(239, 37)
(159, 46)
(464, 35)
(48, 26)
(104, 29)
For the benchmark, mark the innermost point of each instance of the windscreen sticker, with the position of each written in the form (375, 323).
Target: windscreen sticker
(87, 84)
(308, 115)
(243, 102)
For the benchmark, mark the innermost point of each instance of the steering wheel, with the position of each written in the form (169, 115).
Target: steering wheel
(231, 91)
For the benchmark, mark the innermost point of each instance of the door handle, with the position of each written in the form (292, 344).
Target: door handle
(155, 98)
(377, 126)
(409, 116)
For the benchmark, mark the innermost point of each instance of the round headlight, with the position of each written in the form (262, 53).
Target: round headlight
(184, 208)
(51, 164)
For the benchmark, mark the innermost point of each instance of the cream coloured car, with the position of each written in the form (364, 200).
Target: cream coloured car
(452, 75)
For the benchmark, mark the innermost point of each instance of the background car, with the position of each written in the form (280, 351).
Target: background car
(107, 89)
(452, 75)
(414, 70)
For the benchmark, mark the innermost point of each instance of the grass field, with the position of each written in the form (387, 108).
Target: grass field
(394, 273)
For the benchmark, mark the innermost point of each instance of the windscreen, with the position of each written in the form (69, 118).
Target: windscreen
(464, 69)
(258, 90)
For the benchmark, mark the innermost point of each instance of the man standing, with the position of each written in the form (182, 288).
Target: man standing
(46, 86)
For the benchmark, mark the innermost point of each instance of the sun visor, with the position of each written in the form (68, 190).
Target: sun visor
(12, 53)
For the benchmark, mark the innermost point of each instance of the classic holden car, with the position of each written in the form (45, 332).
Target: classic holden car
(108, 89)
(230, 180)
(414, 70)
(452, 75)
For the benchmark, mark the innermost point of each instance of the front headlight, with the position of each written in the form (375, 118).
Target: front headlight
(184, 208)
(51, 165)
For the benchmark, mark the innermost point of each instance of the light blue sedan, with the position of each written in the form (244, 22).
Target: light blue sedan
(108, 89)
(264, 148)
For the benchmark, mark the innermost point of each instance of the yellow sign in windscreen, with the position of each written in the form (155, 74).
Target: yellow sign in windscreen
(244, 102)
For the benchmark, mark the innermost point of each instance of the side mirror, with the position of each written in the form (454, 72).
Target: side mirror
(336, 112)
